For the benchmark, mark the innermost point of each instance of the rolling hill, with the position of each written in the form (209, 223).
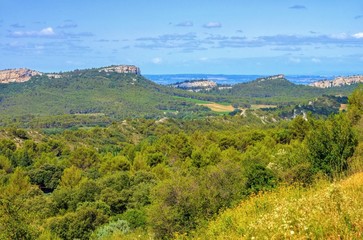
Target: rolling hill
(91, 94)
(277, 89)
(101, 95)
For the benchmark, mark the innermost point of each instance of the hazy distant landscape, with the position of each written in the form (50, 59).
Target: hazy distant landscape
(166, 79)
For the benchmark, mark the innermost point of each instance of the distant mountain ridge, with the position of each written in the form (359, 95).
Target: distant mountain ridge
(91, 96)
(102, 95)
(337, 82)
(205, 84)
(278, 90)
(230, 79)
(20, 75)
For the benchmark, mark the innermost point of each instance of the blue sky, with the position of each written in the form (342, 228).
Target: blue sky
(199, 36)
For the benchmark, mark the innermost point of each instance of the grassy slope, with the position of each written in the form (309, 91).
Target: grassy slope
(325, 211)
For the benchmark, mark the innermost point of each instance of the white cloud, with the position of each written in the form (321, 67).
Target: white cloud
(203, 59)
(358, 35)
(156, 60)
(316, 60)
(45, 32)
(212, 25)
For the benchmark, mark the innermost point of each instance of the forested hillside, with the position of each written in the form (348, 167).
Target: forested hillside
(94, 97)
(172, 178)
(278, 90)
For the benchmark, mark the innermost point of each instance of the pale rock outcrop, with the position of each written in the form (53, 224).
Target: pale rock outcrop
(17, 75)
(122, 69)
(23, 74)
(279, 76)
(337, 82)
(196, 84)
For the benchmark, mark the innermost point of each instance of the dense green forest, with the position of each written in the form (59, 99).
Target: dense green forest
(164, 178)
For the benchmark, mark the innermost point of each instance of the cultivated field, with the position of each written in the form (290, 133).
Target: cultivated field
(218, 107)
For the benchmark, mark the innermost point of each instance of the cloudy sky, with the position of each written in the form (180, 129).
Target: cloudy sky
(186, 36)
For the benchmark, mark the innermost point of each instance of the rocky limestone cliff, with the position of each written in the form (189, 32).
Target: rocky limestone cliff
(337, 82)
(279, 76)
(122, 69)
(17, 75)
(196, 84)
(23, 74)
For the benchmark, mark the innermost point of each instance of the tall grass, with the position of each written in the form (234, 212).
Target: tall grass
(325, 211)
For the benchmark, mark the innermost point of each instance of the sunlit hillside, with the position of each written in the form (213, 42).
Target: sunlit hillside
(325, 211)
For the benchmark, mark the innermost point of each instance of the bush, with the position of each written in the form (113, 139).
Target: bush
(116, 227)
(135, 218)
(331, 144)
(79, 224)
(259, 179)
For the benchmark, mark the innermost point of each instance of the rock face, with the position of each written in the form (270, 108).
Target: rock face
(23, 74)
(17, 75)
(279, 76)
(121, 69)
(196, 85)
(339, 81)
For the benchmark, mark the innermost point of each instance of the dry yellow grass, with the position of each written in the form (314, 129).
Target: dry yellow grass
(218, 107)
(326, 211)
